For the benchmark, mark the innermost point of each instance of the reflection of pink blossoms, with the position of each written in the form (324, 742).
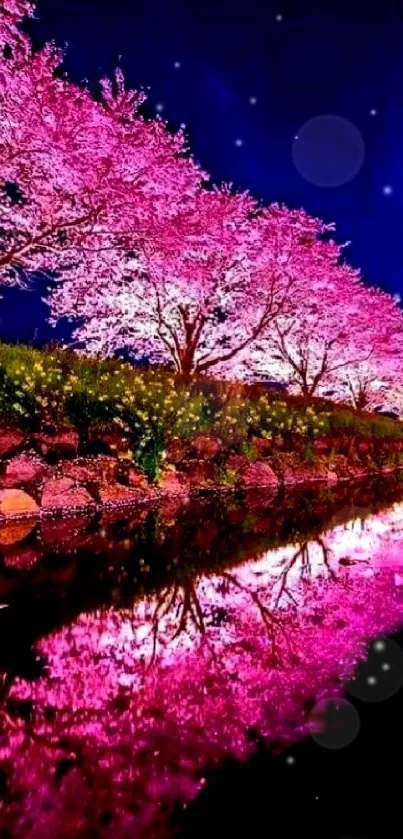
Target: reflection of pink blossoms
(132, 711)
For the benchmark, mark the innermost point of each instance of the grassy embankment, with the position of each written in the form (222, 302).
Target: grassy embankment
(151, 408)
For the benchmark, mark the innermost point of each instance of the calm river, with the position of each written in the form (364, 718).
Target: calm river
(230, 667)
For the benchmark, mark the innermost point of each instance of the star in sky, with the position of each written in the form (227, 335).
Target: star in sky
(177, 65)
(279, 18)
(238, 142)
(252, 100)
(159, 107)
(373, 112)
(387, 190)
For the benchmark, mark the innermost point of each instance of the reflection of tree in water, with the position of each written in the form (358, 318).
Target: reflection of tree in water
(302, 557)
(190, 612)
(182, 600)
(80, 565)
(138, 699)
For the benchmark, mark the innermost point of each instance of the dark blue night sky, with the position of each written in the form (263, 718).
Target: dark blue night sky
(256, 72)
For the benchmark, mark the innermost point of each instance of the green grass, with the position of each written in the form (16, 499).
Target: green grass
(151, 407)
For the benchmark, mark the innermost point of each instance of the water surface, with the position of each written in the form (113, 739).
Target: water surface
(140, 652)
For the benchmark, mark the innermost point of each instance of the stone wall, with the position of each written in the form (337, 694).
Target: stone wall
(45, 474)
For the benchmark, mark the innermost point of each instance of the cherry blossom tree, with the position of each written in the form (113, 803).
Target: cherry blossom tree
(338, 337)
(203, 287)
(146, 257)
(367, 381)
(12, 13)
(76, 174)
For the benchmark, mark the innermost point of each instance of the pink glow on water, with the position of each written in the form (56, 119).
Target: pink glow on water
(143, 700)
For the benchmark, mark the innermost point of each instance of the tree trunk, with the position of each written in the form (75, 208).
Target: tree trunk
(305, 390)
(186, 366)
(361, 402)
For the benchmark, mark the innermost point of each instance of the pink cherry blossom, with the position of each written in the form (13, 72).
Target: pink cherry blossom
(204, 286)
(78, 175)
